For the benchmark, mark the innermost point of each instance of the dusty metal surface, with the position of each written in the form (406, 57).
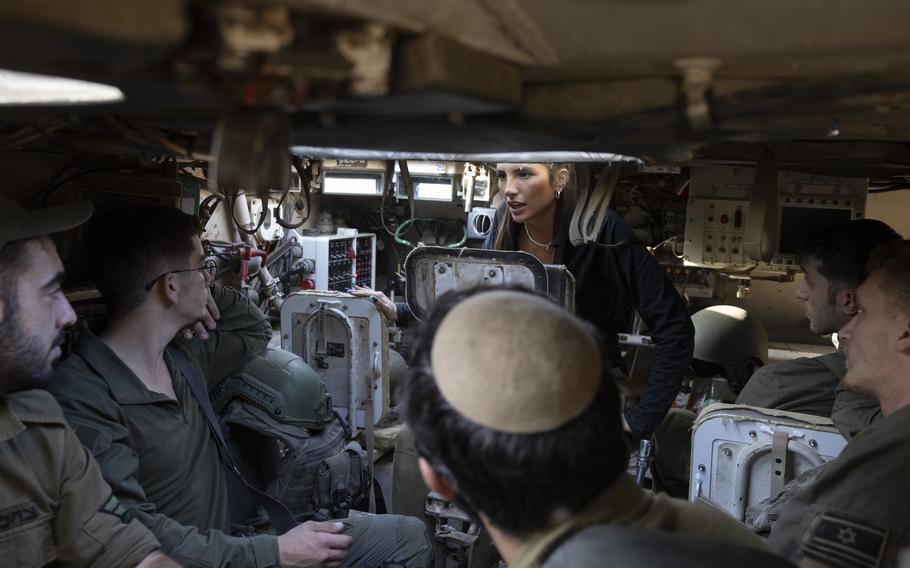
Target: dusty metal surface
(483, 76)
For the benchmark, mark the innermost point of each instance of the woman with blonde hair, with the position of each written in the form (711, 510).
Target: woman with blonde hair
(614, 275)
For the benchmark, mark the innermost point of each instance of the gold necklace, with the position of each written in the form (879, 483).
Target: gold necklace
(542, 245)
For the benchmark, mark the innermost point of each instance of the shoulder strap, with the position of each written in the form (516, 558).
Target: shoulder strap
(282, 519)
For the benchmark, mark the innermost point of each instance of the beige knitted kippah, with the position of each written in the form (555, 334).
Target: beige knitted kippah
(515, 362)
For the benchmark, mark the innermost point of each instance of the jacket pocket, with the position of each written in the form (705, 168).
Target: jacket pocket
(29, 543)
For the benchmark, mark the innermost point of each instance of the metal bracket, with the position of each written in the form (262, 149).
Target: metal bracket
(635, 340)
(445, 278)
(779, 463)
(455, 534)
(322, 340)
(492, 275)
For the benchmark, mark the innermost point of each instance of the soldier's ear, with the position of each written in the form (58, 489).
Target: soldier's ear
(170, 287)
(846, 300)
(434, 481)
(903, 338)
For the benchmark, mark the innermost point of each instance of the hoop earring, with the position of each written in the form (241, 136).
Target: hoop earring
(558, 193)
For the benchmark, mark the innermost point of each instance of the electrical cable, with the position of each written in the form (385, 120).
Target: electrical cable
(230, 203)
(153, 140)
(375, 221)
(208, 206)
(404, 226)
(387, 188)
(297, 162)
(213, 247)
(52, 189)
(672, 239)
(31, 133)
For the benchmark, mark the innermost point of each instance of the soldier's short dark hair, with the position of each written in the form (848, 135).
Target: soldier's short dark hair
(13, 261)
(129, 246)
(842, 251)
(892, 260)
(519, 481)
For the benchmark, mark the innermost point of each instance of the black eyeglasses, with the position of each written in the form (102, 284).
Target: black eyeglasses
(209, 267)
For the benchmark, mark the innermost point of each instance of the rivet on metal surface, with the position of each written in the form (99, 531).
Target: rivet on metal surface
(442, 268)
(752, 434)
(727, 452)
(813, 443)
(701, 467)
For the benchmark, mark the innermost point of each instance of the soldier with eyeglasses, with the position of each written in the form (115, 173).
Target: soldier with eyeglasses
(131, 402)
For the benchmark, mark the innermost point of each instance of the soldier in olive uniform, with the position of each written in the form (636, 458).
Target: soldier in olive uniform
(133, 407)
(834, 259)
(55, 508)
(855, 512)
(517, 420)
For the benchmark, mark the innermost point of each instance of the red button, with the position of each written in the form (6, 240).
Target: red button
(307, 284)
(724, 219)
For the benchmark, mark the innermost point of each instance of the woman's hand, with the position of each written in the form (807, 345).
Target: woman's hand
(385, 305)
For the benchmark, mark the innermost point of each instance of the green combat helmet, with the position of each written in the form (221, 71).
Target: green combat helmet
(282, 384)
(730, 338)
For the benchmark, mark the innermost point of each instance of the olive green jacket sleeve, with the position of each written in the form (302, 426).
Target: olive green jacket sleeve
(120, 544)
(99, 423)
(242, 332)
(801, 385)
(853, 411)
(65, 487)
(102, 425)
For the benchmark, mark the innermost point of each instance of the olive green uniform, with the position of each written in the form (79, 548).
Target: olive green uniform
(811, 386)
(54, 505)
(855, 513)
(159, 455)
(807, 385)
(853, 412)
(625, 504)
(804, 385)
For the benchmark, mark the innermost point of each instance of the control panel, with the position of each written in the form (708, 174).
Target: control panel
(718, 239)
(718, 212)
(364, 269)
(339, 261)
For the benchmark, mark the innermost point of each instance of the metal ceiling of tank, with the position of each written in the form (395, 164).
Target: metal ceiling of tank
(573, 39)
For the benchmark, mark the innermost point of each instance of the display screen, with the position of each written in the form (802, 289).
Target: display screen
(429, 187)
(346, 183)
(797, 222)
